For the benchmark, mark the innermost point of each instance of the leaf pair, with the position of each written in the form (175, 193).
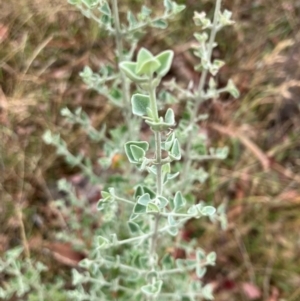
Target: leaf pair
(136, 151)
(146, 65)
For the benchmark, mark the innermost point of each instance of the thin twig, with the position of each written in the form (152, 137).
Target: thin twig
(204, 74)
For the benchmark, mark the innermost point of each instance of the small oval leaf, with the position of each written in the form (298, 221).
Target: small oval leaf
(143, 56)
(137, 153)
(133, 227)
(141, 144)
(208, 210)
(144, 199)
(175, 152)
(179, 201)
(129, 69)
(139, 209)
(148, 67)
(160, 23)
(152, 208)
(170, 117)
(140, 104)
(165, 58)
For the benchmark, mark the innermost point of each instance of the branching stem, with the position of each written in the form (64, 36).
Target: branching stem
(201, 98)
(154, 221)
(124, 81)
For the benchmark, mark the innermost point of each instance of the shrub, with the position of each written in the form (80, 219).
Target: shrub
(144, 209)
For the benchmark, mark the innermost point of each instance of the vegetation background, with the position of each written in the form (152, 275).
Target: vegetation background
(44, 44)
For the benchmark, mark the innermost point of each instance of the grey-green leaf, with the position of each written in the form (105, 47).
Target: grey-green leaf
(146, 11)
(165, 58)
(192, 210)
(175, 152)
(200, 271)
(140, 104)
(137, 152)
(179, 201)
(152, 208)
(168, 5)
(129, 68)
(160, 23)
(131, 20)
(207, 292)
(103, 242)
(152, 289)
(143, 56)
(232, 89)
(208, 210)
(148, 67)
(169, 142)
(211, 258)
(105, 9)
(133, 227)
(170, 117)
(141, 144)
(139, 209)
(171, 220)
(144, 199)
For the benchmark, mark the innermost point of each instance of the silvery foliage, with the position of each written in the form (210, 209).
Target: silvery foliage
(132, 255)
(25, 279)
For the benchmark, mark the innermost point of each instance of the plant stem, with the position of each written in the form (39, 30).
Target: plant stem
(124, 200)
(158, 154)
(153, 105)
(150, 234)
(154, 222)
(148, 23)
(200, 99)
(124, 81)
